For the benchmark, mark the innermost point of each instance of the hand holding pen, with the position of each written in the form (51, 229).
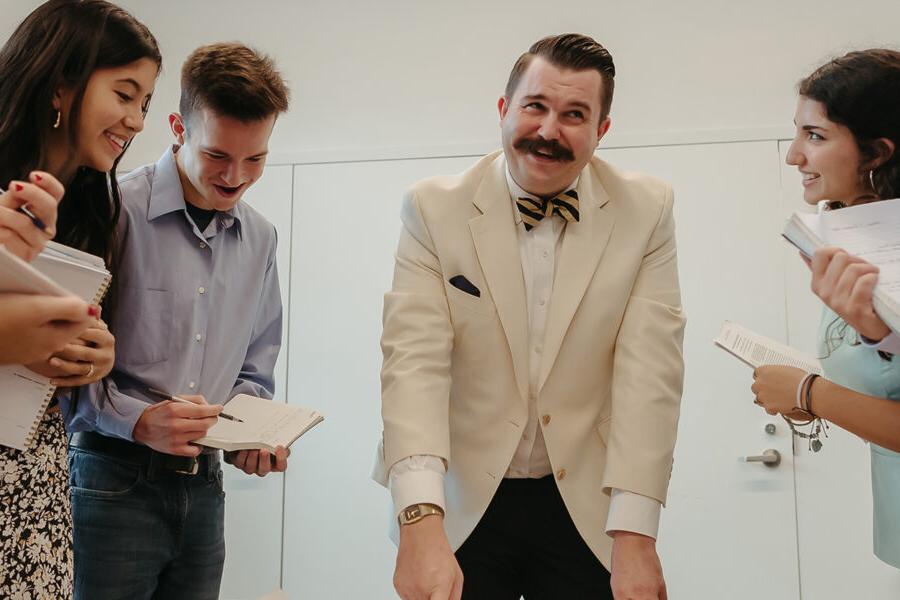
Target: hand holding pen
(174, 398)
(28, 212)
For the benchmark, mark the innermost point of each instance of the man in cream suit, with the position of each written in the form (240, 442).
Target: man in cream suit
(532, 356)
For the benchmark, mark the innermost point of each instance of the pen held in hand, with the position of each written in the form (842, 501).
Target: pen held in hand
(27, 212)
(173, 397)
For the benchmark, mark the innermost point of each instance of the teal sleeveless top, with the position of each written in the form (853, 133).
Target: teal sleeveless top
(862, 369)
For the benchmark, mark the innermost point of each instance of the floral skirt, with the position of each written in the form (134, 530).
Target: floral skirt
(35, 517)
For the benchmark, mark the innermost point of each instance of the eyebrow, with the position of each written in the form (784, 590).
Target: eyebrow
(576, 103)
(214, 150)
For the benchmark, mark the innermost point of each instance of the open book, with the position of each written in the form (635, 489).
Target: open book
(266, 424)
(57, 271)
(757, 350)
(870, 231)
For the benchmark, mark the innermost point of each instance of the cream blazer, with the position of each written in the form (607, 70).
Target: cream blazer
(455, 373)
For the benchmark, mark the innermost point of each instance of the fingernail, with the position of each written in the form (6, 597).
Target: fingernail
(92, 311)
(19, 187)
(37, 177)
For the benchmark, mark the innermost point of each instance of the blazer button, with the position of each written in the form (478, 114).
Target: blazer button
(545, 419)
(561, 474)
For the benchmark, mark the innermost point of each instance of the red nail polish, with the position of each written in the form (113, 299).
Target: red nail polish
(38, 177)
(19, 187)
(92, 311)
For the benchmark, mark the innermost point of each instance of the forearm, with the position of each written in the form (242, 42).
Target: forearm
(874, 419)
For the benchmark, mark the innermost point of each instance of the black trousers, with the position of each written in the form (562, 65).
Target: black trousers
(527, 545)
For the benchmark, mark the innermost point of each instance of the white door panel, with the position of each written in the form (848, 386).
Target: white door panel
(253, 507)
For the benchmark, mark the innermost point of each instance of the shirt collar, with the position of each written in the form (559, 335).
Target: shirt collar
(167, 195)
(516, 192)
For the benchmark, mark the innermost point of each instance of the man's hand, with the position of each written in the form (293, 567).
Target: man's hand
(169, 426)
(846, 283)
(636, 571)
(426, 568)
(259, 462)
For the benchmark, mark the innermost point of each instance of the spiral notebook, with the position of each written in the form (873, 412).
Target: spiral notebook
(58, 271)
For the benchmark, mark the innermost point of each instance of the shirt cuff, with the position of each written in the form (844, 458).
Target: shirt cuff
(417, 480)
(120, 415)
(633, 512)
(890, 343)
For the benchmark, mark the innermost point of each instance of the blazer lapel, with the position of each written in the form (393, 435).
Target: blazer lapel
(583, 245)
(497, 247)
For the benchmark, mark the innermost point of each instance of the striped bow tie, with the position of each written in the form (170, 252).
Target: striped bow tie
(565, 205)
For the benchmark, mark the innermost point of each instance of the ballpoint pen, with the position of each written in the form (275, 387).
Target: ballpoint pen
(27, 212)
(168, 396)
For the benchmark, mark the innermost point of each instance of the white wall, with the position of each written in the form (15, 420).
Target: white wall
(403, 74)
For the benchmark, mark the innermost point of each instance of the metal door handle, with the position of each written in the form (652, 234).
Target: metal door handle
(770, 458)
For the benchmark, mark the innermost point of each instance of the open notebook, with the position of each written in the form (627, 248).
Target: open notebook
(58, 271)
(266, 424)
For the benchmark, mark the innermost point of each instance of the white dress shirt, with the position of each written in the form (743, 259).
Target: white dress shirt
(420, 479)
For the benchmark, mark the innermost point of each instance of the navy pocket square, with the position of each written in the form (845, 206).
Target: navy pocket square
(461, 283)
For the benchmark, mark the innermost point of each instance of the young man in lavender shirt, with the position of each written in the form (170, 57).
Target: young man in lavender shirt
(198, 314)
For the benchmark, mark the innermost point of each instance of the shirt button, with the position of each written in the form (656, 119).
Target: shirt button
(545, 254)
(545, 419)
(198, 337)
(537, 350)
(192, 384)
(561, 474)
(203, 244)
(542, 301)
(201, 289)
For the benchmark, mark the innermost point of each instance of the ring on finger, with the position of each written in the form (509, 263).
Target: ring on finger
(90, 371)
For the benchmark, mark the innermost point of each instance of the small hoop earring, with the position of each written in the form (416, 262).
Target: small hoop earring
(872, 179)
(58, 119)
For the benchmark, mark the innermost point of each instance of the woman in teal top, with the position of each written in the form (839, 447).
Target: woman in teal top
(846, 147)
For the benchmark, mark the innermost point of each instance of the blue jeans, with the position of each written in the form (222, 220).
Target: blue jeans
(144, 535)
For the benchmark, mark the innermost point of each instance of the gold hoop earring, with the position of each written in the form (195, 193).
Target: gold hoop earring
(58, 119)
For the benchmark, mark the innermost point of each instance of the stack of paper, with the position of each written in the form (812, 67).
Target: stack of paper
(870, 231)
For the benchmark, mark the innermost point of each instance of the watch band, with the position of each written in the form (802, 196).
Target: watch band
(417, 512)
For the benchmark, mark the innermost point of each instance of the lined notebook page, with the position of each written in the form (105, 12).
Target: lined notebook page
(25, 398)
(266, 424)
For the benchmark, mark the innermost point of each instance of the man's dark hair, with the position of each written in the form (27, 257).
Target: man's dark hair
(234, 81)
(570, 51)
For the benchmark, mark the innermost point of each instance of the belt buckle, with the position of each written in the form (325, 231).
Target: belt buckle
(195, 467)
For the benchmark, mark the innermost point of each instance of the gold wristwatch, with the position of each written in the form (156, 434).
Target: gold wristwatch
(417, 512)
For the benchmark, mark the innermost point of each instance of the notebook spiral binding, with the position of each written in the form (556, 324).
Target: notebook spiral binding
(51, 389)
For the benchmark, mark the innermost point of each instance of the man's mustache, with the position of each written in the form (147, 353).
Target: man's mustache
(551, 148)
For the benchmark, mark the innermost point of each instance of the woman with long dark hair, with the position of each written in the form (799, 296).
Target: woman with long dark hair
(76, 77)
(847, 147)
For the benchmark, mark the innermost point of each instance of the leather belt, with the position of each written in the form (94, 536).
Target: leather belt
(137, 454)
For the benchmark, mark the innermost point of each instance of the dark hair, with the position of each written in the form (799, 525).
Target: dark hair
(861, 90)
(570, 51)
(61, 43)
(232, 80)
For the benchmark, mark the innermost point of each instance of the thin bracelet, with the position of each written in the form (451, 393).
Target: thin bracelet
(809, 394)
(800, 386)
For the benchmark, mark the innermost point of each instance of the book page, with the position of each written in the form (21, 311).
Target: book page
(757, 350)
(265, 423)
(25, 398)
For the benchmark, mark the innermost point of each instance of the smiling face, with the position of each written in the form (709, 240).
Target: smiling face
(112, 113)
(827, 155)
(551, 126)
(220, 157)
